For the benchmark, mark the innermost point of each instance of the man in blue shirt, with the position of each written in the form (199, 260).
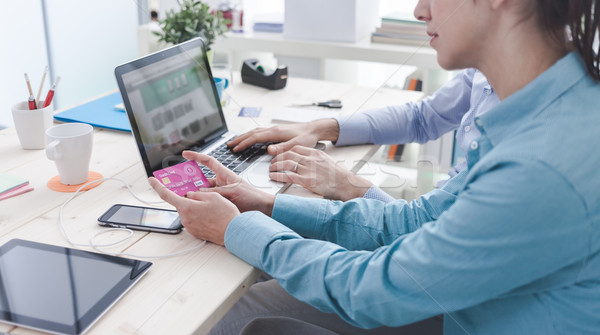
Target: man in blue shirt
(453, 106)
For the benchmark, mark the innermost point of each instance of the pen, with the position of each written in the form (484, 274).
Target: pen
(31, 102)
(37, 99)
(50, 94)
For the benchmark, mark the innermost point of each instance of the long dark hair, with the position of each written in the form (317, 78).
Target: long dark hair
(582, 17)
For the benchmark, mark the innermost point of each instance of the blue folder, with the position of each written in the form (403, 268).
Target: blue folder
(98, 113)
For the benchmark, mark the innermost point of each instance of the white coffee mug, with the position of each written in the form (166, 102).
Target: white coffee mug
(31, 125)
(70, 147)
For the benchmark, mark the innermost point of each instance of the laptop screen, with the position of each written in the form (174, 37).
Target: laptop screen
(171, 102)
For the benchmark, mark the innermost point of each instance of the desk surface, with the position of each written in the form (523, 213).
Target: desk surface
(182, 294)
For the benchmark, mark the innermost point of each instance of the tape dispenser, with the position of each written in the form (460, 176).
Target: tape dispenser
(253, 73)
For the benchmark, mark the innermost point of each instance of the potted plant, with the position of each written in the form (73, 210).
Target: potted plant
(193, 19)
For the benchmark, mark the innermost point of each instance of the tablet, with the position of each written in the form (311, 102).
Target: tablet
(61, 290)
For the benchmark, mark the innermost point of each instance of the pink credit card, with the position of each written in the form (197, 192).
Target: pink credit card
(182, 178)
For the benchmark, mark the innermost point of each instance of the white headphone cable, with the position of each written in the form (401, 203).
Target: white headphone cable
(99, 247)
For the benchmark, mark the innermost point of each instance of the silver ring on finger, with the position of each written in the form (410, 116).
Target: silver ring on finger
(295, 169)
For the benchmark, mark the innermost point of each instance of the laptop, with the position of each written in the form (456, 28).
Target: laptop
(172, 105)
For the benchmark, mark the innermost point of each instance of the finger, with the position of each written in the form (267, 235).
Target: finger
(286, 165)
(287, 177)
(303, 150)
(275, 149)
(199, 195)
(260, 136)
(225, 191)
(210, 162)
(288, 155)
(164, 193)
(238, 139)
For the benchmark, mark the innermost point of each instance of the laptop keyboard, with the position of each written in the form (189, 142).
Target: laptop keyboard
(235, 161)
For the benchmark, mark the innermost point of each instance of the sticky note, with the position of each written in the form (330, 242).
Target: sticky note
(250, 111)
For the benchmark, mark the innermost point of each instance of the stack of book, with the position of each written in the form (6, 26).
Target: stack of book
(11, 186)
(400, 28)
(268, 23)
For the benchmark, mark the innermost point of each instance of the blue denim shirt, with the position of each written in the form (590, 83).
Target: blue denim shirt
(509, 246)
(454, 106)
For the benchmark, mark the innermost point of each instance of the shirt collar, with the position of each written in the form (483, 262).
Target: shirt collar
(533, 98)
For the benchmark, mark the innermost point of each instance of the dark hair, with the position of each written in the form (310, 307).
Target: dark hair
(154, 14)
(582, 17)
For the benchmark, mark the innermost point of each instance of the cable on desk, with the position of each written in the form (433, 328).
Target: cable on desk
(98, 247)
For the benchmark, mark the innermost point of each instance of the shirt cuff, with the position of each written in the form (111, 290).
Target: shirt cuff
(352, 129)
(250, 233)
(378, 194)
(302, 215)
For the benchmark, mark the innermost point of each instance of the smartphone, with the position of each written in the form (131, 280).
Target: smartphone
(142, 218)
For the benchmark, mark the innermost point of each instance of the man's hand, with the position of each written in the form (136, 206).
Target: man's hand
(316, 171)
(288, 136)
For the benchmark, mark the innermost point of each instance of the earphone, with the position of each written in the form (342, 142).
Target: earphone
(98, 247)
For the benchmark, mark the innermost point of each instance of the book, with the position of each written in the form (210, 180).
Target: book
(402, 17)
(99, 112)
(377, 38)
(401, 29)
(11, 186)
(395, 152)
(268, 27)
(421, 38)
(415, 84)
(268, 22)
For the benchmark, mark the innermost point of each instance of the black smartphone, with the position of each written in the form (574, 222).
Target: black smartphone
(141, 218)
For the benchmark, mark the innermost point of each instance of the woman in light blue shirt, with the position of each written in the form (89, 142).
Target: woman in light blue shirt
(515, 249)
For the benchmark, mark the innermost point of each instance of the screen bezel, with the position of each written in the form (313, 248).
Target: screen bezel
(151, 59)
(139, 268)
(104, 219)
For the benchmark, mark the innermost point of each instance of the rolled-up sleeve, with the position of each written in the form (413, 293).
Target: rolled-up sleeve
(419, 122)
(492, 240)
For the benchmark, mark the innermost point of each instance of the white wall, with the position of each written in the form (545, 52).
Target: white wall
(23, 50)
(88, 39)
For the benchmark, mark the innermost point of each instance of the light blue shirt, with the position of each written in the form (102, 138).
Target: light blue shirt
(509, 246)
(454, 106)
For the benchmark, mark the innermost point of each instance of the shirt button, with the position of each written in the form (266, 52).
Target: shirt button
(467, 129)
(474, 145)
(478, 122)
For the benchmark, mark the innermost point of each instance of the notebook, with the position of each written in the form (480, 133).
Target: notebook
(172, 105)
(100, 113)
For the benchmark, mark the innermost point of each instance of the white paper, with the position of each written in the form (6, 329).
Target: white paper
(291, 114)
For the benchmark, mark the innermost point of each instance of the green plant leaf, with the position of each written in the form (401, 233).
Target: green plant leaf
(193, 19)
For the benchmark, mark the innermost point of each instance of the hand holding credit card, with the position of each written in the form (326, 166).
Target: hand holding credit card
(182, 178)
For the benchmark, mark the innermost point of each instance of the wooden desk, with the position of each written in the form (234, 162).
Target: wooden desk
(183, 294)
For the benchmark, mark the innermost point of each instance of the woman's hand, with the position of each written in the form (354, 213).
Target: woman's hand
(206, 216)
(206, 213)
(305, 134)
(316, 171)
(231, 186)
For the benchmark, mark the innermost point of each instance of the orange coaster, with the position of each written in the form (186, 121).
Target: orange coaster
(55, 185)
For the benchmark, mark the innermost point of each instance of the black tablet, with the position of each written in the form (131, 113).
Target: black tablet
(61, 290)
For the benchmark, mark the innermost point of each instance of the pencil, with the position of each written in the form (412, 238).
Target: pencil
(28, 84)
(37, 99)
